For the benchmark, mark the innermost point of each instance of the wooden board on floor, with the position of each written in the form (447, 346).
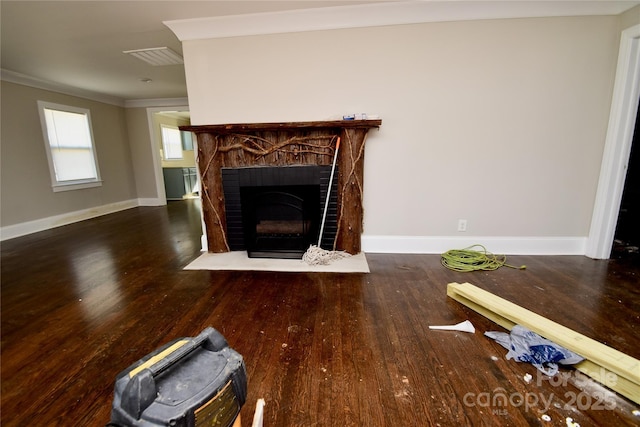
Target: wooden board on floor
(616, 370)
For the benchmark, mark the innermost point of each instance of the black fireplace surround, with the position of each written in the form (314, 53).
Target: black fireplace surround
(276, 212)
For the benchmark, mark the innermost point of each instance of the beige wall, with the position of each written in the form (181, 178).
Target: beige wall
(25, 182)
(498, 122)
(142, 154)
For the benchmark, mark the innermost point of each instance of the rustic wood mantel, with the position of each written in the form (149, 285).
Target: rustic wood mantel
(284, 144)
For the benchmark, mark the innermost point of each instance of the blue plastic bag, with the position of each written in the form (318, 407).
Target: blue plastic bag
(527, 346)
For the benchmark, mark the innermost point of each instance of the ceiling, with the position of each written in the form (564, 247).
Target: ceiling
(80, 44)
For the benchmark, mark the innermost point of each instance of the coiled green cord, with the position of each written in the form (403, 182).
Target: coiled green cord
(468, 259)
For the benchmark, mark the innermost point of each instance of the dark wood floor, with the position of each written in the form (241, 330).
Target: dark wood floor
(82, 302)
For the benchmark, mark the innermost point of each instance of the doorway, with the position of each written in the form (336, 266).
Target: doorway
(190, 181)
(626, 241)
(177, 154)
(622, 120)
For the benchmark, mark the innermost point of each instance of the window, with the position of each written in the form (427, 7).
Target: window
(187, 140)
(171, 143)
(69, 144)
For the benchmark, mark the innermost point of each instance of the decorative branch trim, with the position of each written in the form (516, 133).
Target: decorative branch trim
(351, 176)
(250, 144)
(206, 192)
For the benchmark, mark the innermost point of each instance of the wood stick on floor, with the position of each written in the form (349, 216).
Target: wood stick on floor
(616, 370)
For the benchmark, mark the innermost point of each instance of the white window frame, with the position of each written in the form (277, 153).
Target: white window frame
(164, 143)
(76, 184)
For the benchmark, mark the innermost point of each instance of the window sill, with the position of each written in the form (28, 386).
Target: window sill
(76, 185)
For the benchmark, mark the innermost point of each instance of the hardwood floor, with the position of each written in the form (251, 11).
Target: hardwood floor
(82, 302)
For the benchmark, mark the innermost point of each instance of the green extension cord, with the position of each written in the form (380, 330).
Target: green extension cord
(468, 259)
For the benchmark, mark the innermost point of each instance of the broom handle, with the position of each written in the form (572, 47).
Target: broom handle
(326, 202)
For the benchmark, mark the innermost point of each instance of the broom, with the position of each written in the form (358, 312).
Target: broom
(315, 255)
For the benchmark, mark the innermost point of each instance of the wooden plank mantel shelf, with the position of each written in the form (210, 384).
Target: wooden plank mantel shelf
(241, 127)
(284, 144)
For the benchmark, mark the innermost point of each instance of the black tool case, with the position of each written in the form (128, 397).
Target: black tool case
(189, 382)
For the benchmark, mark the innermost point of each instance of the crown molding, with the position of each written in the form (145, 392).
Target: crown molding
(381, 14)
(156, 102)
(25, 80)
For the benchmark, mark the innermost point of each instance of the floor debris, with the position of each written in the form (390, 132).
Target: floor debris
(465, 326)
(258, 415)
(571, 423)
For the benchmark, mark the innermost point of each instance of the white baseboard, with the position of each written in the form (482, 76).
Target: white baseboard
(24, 228)
(496, 245)
(151, 202)
(371, 244)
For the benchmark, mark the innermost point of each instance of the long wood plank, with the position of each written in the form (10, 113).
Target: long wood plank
(607, 365)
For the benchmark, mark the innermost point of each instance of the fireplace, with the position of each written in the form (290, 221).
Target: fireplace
(276, 212)
(282, 145)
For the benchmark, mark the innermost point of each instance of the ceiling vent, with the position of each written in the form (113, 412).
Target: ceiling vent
(156, 56)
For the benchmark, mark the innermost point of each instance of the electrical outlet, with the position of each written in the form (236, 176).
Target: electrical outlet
(462, 225)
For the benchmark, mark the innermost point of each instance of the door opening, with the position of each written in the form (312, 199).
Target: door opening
(626, 241)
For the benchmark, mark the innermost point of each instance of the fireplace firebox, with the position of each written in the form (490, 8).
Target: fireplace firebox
(276, 212)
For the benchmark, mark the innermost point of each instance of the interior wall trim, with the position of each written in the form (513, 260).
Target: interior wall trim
(497, 245)
(42, 224)
(617, 148)
(150, 201)
(25, 80)
(157, 102)
(381, 14)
